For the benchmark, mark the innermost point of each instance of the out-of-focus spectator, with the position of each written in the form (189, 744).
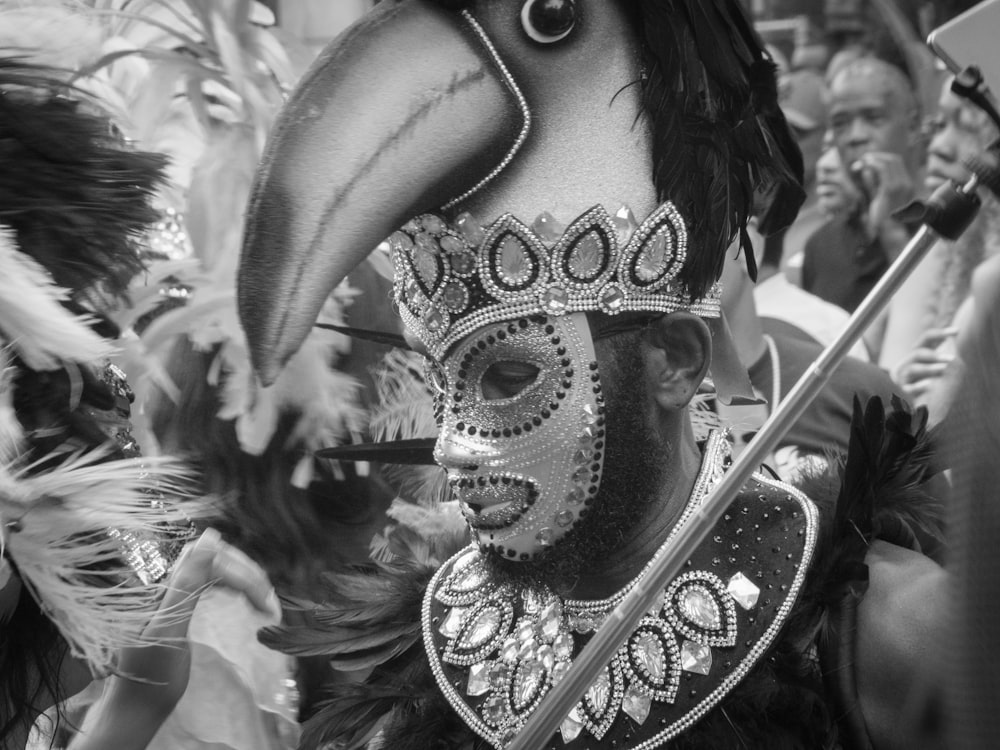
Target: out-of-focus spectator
(801, 95)
(837, 197)
(777, 353)
(934, 305)
(874, 119)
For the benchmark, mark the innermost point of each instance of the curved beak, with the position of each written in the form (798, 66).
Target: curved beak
(401, 114)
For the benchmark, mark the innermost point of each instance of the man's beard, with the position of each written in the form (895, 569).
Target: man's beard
(635, 460)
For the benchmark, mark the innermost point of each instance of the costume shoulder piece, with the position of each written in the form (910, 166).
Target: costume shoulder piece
(496, 650)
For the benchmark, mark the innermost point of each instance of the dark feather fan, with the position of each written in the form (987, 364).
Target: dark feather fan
(369, 624)
(75, 195)
(721, 143)
(890, 488)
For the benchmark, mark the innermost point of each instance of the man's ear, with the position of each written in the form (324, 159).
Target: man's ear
(681, 351)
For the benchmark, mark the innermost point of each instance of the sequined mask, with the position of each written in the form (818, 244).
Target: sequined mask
(450, 279)
(522, 432)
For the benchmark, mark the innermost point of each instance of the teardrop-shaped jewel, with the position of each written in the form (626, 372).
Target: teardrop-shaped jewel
(700, 607)
(480, 629)
(653, 259)
(648, 654)
(427, 266)
(548, 229)
(587, 257)
(467, 579)
(529, 678)
(636, 705)
(599, 693)
(576, 496)
(452, 624)
(516, 265)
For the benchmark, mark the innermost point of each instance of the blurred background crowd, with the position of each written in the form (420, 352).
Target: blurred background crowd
(201, 82)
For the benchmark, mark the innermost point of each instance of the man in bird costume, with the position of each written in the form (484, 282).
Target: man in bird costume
(558, 181)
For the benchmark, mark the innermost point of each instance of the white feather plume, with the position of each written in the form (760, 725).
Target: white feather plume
(65, 531)
(33, 322)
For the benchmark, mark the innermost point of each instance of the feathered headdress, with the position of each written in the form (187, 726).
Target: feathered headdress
(230, 74)
(84, 523)
(720, 143)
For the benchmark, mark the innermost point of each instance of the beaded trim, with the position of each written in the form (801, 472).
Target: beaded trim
(451, 279)
(707, 630)
(522, 104)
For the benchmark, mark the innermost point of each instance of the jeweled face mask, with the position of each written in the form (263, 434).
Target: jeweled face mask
(522, 435)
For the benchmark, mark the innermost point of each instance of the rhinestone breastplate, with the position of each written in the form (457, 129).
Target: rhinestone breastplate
(495, 650)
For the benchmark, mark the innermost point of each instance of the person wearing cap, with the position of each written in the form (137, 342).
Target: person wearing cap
(565, 336)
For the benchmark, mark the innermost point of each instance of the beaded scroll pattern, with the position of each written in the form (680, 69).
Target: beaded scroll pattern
(451, 279)
(496, 651)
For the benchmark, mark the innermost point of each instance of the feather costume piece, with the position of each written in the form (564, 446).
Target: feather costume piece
(887, 487)
(720, 139)
(232, 72)
(56, 530)
(77, 201)
(33, 319)
(370, 620)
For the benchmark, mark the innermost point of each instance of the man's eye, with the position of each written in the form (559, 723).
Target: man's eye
(507, 379)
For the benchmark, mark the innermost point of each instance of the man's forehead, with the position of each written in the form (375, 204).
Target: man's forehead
(869, 77)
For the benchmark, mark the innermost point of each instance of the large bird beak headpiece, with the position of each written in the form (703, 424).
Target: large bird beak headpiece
(426, 114)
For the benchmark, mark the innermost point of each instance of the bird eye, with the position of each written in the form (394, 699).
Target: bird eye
(548, 21)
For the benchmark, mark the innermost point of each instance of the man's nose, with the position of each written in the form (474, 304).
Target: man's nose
(858, 132)
(942, 145)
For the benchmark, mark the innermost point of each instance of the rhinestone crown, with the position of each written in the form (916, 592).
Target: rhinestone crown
(451, 279)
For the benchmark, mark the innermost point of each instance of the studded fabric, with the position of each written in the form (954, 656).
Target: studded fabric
(496, 651)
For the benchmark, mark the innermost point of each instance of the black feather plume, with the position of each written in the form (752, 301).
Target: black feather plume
(720, 141)
(76, 196)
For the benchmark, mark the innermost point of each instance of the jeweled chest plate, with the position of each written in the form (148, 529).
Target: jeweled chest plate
(496, 650)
